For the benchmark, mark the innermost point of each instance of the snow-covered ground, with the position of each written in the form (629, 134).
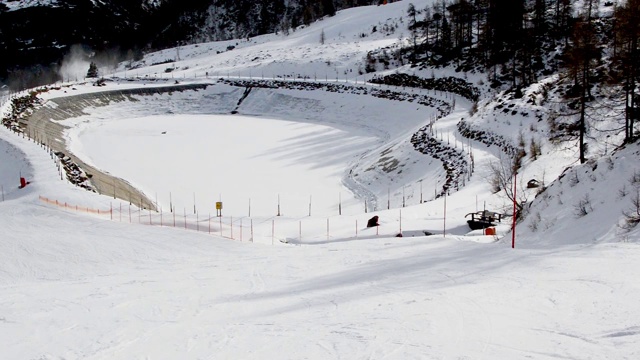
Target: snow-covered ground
(75, 285)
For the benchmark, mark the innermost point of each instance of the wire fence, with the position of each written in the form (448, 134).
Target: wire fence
(273, 230)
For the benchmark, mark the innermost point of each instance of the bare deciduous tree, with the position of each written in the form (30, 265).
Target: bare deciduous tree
(502, 180)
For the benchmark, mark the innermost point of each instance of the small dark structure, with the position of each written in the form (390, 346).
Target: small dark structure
(483, 219)
(373, 222)
(23, 183)
(532, 184)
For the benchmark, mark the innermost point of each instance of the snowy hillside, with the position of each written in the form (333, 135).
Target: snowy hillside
(302, 147)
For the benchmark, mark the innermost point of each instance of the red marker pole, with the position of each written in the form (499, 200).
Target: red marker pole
(513, 224)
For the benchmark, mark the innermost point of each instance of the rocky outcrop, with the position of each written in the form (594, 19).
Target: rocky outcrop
(446, 84)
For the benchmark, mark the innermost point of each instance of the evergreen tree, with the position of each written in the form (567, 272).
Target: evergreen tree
(328, 7)
(425, 26)
(462, 22)
(482, 34)
(445, 37)
(505, 21)
(562, 19)
(93, 70)
(413, 27)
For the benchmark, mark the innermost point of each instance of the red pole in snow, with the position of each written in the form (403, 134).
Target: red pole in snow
(513, 223)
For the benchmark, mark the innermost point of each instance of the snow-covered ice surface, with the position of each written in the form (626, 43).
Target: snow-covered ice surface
(318, 136)
(269, 150)
(81, 286)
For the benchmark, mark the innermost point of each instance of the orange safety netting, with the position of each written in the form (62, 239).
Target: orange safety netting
(74, 207)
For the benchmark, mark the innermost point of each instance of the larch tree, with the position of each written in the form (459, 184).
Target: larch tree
(581, 56)
(627, 60)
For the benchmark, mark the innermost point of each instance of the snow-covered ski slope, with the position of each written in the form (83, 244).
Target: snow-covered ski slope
(86, 286)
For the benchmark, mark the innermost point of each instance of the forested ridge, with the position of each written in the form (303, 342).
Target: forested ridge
(590, 43)
(34, 39)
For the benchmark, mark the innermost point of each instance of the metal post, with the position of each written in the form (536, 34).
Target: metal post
(327, 229)
(278, 205)
(444, 230)
(388, 198)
